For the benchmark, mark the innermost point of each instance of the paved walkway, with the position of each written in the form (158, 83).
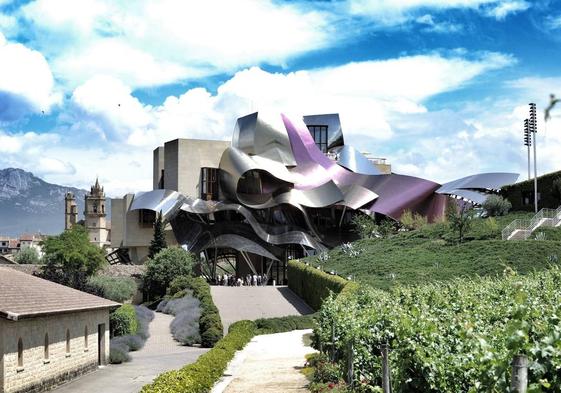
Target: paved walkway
(269, 363)
(160, 353)
(239, 303)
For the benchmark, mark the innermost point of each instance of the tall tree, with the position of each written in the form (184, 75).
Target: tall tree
(158, 243)
(70, 259)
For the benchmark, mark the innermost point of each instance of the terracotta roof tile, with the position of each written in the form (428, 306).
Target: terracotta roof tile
(26, 296)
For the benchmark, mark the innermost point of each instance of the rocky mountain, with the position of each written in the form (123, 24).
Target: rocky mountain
(31, 205)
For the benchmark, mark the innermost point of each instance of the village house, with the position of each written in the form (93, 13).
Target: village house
(49, 333)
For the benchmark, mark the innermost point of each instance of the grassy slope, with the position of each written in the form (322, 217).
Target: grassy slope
(430, 254)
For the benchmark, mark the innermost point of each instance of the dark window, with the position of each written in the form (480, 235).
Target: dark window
(86, 337)
(46, 349)
(95, 207)
(20, 352)
(319, 133)
(146, 217)
(67, 341)
(209, 183)
(161, 182)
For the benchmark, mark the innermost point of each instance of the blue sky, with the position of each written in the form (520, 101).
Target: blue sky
(440, 88)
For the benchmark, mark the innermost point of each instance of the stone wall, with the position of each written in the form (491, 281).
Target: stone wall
(40, 371)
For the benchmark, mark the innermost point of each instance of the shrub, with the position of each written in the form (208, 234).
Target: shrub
(185, 325)
(311, 284)
(123, 321)
(285, 324)
(120, 346)
(496, 205)
(210, 318)
(164, 267)
(118, 354)
(364, 226)
(117, 289)
(27, 256)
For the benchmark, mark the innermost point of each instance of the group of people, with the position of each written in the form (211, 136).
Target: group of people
(248, 280)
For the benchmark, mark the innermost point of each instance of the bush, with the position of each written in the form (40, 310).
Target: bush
(27, 256)
(496, 205)
(164, 267)
(118, 354)
(118, 289)
(285, 324)
(187, 311)
(210, 318)
(123, 321)
(120, 346)
(311, 284)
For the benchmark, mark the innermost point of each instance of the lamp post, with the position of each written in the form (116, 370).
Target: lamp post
(533, 127)
(527, 142)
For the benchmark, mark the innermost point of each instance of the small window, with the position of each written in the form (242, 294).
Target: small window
(20, 352)
(67, 341)
(146, 217)
(46, 348)
(86, 337)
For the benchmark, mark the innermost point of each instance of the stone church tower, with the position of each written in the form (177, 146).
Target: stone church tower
(70, 210)
(95, 216)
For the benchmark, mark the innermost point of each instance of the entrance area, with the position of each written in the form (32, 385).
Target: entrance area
(101, 361)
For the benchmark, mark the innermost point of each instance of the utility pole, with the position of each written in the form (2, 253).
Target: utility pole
(534, 129)
(527, 142)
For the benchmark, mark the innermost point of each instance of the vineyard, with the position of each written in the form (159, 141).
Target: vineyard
(458, 336)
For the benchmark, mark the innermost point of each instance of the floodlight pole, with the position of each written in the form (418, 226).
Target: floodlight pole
(534, 130)
(528, 143)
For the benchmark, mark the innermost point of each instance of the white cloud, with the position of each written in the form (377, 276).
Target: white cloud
(26, 82)
(396, 12)
(438, 27)
(553, 22)
(502, 10)
(150, 42)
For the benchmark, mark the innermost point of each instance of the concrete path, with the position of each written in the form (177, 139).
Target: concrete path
(269, 363)
(160, 353)
(239, 303)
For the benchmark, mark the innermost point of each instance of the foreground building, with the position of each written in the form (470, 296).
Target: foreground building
(49, 333)
(283, 188)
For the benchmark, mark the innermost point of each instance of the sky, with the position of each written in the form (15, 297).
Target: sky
(440, 88)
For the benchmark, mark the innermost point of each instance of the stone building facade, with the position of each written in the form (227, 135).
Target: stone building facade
(48, 333)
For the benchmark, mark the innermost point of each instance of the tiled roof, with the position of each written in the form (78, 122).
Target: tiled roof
(25, 296)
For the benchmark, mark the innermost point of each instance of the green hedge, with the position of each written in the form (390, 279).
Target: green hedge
(199, 377)
(285, 324)
(123, 321)
(210, 324)
(118, 289)
(312, 284)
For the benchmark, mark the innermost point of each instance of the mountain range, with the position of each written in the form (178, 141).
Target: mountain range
(29, 204)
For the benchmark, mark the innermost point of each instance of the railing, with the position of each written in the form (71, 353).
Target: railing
(523, 229)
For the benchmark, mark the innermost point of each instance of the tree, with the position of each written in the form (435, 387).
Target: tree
(27, 256)
(164, 267)
(460, 221)
(496, 205)
(158, 243)
(70, 259)
(365, 226)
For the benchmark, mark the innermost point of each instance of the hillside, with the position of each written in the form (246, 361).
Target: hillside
(29, 204)
(430, 254)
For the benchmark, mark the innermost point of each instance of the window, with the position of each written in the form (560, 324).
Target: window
(146, 217)
(20, 352)
(46, 348)
(319, 133)
(95, 207)
(209, 183)
(67, 341)
(86, 337)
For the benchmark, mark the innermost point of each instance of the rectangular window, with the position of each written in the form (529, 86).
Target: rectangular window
(209, 183)
(146, 217)
(319, 133)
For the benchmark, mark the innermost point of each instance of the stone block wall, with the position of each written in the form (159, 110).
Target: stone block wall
(38, 371)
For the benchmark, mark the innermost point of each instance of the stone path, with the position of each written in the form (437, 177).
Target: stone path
(160, 353)
(269, 363)
(239, 303)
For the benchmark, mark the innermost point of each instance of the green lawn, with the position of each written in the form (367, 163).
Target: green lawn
(431, 254)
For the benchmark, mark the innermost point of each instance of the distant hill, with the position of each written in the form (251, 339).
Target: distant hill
(29, 204)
